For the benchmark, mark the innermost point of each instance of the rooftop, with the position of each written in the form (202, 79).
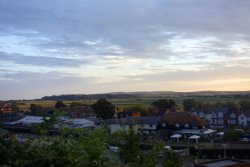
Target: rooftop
(224, 163)
(172, 118)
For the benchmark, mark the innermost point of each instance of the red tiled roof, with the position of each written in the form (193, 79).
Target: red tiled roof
(173, 118)
(5, 108)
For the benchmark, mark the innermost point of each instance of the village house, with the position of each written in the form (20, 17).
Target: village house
(147, 124)
(204, 114)
(181, 120)
(5, 108)
(232, 119)
(244, 119)
(218, 117)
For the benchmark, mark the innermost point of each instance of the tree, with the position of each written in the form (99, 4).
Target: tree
(37, 109)
(232, 135)
(14, 106)
(245, 105)
(189, 104)
(88, 150)
(130, 147)
(43, 127)
(60, 104)
(141, 109)
(164, 103)
(132, 155)
(104, 109)
(172, 159)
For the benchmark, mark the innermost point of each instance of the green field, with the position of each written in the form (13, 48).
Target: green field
(124, 103)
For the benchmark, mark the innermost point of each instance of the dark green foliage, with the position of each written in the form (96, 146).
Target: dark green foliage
(45, 126)
(60, 104)
(89, 96)
(130, 147)
(171, 159)
(104, 109)
(133, 156)
(87, 150)
(79, 147)
(164, 103)
(232, 135)
(189, 104)
(14, 106)
(244, 105)
(37, 110)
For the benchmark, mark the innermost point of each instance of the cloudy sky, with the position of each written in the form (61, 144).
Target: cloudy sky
(52, 47)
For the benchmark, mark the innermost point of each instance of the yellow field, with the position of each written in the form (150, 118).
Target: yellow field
(121, 103)
(25, 105)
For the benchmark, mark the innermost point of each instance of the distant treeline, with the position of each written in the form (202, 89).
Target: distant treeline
(225, 96)
(120, 95)
(88, 97)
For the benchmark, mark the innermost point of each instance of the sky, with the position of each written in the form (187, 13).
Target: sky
(97, 46)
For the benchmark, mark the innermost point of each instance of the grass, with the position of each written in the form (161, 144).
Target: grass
(25, 105)
(125, 103)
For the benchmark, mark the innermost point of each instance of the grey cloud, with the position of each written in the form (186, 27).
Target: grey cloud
(42, 60)
(127, 23)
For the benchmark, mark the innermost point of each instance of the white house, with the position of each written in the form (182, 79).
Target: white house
(217, 118)
(232, 120)
(244, 119)
(208, 117)
(205, 115)
(143, 124)
(221, 116)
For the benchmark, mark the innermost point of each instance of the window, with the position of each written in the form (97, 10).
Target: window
(202, 115)
(220, 121)
(163, 124)
(232, 115)
(186, 125)
(177, 125)
(220, 115)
